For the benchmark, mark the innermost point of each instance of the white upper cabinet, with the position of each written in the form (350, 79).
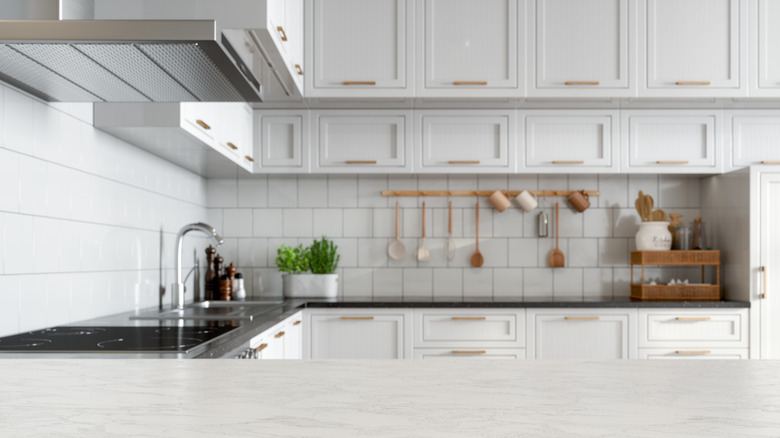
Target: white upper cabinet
(581, 48)
(359, 48)
(765, 48)
(671, 141)
(468, 48)
(451, 141)
(692, 48)
(285, 20)
(573, 141)
(755, 138)
(282, 139)
(369, 141)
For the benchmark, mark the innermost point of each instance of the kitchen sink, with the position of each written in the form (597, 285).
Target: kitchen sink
(214, 311)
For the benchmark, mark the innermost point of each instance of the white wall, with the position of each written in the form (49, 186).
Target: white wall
(257, 215)
(81, 216)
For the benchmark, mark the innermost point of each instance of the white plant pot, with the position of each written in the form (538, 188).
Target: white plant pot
(310, 285)
(653, 236)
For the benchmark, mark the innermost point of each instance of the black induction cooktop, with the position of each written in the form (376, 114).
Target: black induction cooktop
(67, 339)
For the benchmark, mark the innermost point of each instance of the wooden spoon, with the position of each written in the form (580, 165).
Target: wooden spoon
(476, 259)
(397, 250)
(556, 256)
(449, 245)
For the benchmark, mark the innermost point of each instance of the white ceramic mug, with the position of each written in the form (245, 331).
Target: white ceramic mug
(527, 200)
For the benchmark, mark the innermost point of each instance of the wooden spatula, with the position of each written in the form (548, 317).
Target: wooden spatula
(556, 256)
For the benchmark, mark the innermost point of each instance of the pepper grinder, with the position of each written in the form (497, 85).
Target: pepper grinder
(218, 260)
(211, 274)
(231, 273)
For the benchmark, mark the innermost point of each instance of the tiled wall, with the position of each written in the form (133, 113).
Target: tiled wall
(257, 215)
(82, 217)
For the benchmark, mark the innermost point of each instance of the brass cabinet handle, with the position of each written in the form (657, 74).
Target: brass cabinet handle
(203, 124)
(763, 281)
(770, 162)
(692, 352)
(581, 318)
(692, 83)
(296, 322)
(366, 318)
(581, 82)
(469, 318)
(464, 162)
(282, 33)
(361, 161)
(358, 83)
(299, 69)
(469, 83)
(672, 162)
(249, 158)
(568, 162)
(232, 146)
(279, 335)
(261, 347)
(469, 352)
(693, 318)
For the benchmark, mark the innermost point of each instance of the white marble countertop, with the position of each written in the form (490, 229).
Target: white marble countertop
(405, 398)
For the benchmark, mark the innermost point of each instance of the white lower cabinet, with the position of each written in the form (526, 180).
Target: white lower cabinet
(358, 333)
(469, 353)
(693, 333)
(282, 341)
(581, 333)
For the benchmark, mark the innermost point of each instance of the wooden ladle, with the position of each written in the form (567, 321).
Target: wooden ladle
(556, 256)
(476, 259)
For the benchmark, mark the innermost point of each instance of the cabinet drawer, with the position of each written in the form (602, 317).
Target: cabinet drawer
(473, 141)
(359, 334)
(581, 334)
(469, 353)
(698, 353)
(473, 328)
(693, 329)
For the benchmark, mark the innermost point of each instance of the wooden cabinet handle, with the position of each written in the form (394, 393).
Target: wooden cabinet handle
(361, 162)
(692, 352)
(279, 335)
(581, 82)
(296, 323)
(261, 347)
(469, 352)
(361, 318)
(282, 33)
(763, 281)
(203, 124)
(464, 162)
(581, 318)
(672, 162)
(469, 83)
(299, 69)
(469, 318)
(568, 162)
(358, 83)
(249, 158)
(232, 146)
(770, 162)
(693, 318)
(692, 83)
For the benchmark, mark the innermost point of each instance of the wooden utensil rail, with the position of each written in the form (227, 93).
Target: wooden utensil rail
(485, 193)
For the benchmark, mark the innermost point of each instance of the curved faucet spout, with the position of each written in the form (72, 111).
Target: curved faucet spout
(178, 287)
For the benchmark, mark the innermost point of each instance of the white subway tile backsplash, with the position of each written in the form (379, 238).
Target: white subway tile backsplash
(252, 193)
(342, 191)
(369, 189)
(626, 222)
(372, 253)
(478, 283)
(403, 182)
(18, 244)
(648, 184)
(457, 183)
(673, 191)
(432, 182)
(388, 282)
(297, 222)
(418, 283)
(33, 303)
(253, 252)
(597, 222)
(312, 191)
(46, 253)
(613, 252)
(613, 192)
(571, 221)
(523, 252)
(47, 131)
(222, 193)
(10, 297)
(538, 283)
(283, 191)
(583, 253)
(328, 223)
(32, 179)
(495, 252)
(237, 222)
(508, 282)
(358, 282)
(267, 222)
(597, 283)
(510, 223)
(440, 222)
(358, 222)
(58, 299)
(448, 282)
(18, 121)
(384, 222)
(348, 252)
(9, 180)
(435, 247)
(567, 283)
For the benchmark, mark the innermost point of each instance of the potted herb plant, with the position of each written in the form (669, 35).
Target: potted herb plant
(309, 272)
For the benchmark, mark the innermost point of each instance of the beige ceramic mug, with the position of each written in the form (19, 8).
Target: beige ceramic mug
(579, 200)
(499, 200)
(527, 201)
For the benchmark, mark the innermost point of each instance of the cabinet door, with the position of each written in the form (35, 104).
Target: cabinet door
(359, 334)
(686, 329)
(235, 134)
(200, 120)
(580, 334)
(768, 242)
(465, 141)
(293, 337)
(692, 48)
(466, 353)
(283, 138)
(764, 48)
(362, 141)
(755, 138)
(571, 141)
(704, 353)
(467, 48)
(359, 48)
(671, 141)
(581, 48)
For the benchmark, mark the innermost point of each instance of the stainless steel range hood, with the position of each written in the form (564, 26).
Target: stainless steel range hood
(124, 61)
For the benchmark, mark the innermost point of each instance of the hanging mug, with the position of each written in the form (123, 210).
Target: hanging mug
(499, 200)
(527, 200)
(579, 200)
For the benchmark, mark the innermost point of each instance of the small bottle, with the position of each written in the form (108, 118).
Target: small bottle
(239, 293)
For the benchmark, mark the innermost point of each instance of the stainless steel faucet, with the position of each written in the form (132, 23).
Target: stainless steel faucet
(177, 288)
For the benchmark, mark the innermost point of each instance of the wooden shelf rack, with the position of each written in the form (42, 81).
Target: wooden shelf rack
(663, 292)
